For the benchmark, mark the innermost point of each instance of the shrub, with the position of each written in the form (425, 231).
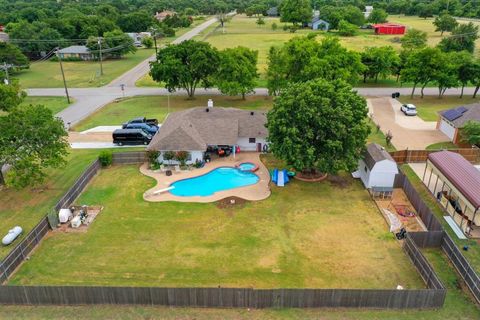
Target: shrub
(105, 158)
(168, 155)
(274, 26)
(285, 27)
(347, 29)
(153, 156)
(260, 21)
(147, 42)
(169, 32)
(182, 156)
(293, 29)
(388, 138)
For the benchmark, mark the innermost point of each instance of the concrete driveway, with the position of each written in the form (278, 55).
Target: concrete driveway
(408, 132)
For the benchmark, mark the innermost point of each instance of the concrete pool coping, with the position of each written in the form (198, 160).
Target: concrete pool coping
(254, 192)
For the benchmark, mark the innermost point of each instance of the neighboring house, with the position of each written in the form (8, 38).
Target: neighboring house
(377, 169)
(3, 37)
(196, 129)
(273, 12)
(79, 52)
(160, 16)
(451, 121)
(317, 23)
(368, 11)
(389, 28)
(139, 36)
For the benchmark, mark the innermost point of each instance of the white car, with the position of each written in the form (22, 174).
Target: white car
(409, 109)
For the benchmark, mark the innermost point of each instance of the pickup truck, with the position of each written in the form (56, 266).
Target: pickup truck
(143, 120)
(148, 128)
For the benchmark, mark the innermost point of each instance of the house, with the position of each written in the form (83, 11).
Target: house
(77, 52)
(389, 28)
(196, 129)
(319, 24)
(368, 11)
(377, 169)
(137, 37)
(451, 121)
(273, 12)
(455, 183)
(3, 37)
(160, 16)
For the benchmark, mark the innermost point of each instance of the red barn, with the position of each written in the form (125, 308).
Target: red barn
(389, 28)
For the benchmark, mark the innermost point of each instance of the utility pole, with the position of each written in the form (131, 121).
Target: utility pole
(101, 58)
(63, 75)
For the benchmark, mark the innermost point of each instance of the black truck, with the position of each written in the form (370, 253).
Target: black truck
(142, 120)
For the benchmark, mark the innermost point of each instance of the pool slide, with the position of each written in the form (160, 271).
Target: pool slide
(280, 177)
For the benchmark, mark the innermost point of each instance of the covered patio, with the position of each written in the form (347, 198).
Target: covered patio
(455, 183)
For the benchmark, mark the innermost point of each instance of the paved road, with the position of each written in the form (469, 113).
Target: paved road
(130, 77)
(88, 100)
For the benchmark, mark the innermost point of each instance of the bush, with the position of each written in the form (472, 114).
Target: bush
(168, 155)
(347, 29)
(147, 42)
(153, 156)
(169, 32)
(105, 158)
(293, 29)
(285, 27)
(274, 26)
(182, 156)
(260, 21)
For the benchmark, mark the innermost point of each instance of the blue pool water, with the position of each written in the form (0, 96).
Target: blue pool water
(246, 166)
(223, 178)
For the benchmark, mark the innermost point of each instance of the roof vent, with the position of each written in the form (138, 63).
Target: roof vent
(207, 110)
(252, 113)
(210, 103)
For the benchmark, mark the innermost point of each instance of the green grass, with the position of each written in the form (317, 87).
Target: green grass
(298, 237)
(442, 146)
(473, 253)
(79, 74)
(55, 104)
(157, 107)
(429, 106)
(377, 136)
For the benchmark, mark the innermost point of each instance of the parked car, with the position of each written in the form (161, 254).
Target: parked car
(131, 136)
(143, 120)
(150, 129)
(409, 109)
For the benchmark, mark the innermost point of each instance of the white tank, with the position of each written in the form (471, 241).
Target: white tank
(76, 222)
(64, 215)
(11, 235)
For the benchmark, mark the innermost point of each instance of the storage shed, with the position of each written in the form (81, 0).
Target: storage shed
(389, 28)
(377, 169)
(455, 183)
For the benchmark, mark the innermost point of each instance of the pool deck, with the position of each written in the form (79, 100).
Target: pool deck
(255, 192)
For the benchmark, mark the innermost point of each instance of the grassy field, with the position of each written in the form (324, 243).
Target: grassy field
(429, 106)
(26, 207)
(79, 74)
(458, 305)
(56, 104)
(302, 236)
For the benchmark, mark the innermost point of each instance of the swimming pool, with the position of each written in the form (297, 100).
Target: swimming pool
(219, 179)
(246, 166)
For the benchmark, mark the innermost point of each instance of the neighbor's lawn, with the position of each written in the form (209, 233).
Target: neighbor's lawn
(429, 106)
(442, 146)
(56, 104)
(304, 235)
(473, 253)
(157, 107)
(79, 74)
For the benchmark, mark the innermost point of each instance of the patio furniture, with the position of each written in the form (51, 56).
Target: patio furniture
(168, 172)
(177, 169)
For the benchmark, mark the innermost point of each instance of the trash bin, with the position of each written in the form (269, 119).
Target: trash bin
(394, 95)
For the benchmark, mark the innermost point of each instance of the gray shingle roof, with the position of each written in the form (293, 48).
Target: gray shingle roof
(75, 50)
(375, 153)
(473, 113)
(195, 128)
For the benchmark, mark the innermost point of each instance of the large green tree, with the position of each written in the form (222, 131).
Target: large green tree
(318, 125)
(471, 132)
(378, 16)
(296, 11)
(185, 66)
(414, 39)
(445, 22)
(114, 43)
(379, 61)
(138, 21)
(277, 77)
(11, 54)
(10, 96)
(31, 140)
(462, 38)
(237, 71)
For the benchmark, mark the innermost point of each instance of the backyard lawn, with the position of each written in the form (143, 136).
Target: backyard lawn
(304, 235)
(56, 104)
(429, 106)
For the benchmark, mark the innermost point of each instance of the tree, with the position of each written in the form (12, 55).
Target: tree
(31, 140)
(347, 29)
(10, 97)
(237, 71)
(475, 77)
(137, 21)
(11, 54)
(274, 26)
(260, 21)
(318, 125)
(276, 74)
(379, 61)
(447, 75)
(378, 16)
(185, 65)
(353, 15)
(463, 37)
(424, 10)
(331, 14)
(445, 22)
(468, 70)
(147, 42)
(414, 39)
(471, 132)
(296, 11)
(422, 67)
(114, 43)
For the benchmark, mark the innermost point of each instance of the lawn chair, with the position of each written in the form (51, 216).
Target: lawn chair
(177, 169)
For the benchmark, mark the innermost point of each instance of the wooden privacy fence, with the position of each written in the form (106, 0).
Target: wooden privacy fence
(129, 157)
(406, 156)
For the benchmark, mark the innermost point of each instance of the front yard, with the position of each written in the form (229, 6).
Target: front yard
(429, 106)
(328, 235)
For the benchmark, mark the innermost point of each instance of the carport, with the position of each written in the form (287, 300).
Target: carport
(455, 183)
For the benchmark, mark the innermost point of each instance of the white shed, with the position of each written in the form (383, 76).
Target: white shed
(377, 169)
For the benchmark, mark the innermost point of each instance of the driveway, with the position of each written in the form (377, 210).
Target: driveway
(408, 132)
